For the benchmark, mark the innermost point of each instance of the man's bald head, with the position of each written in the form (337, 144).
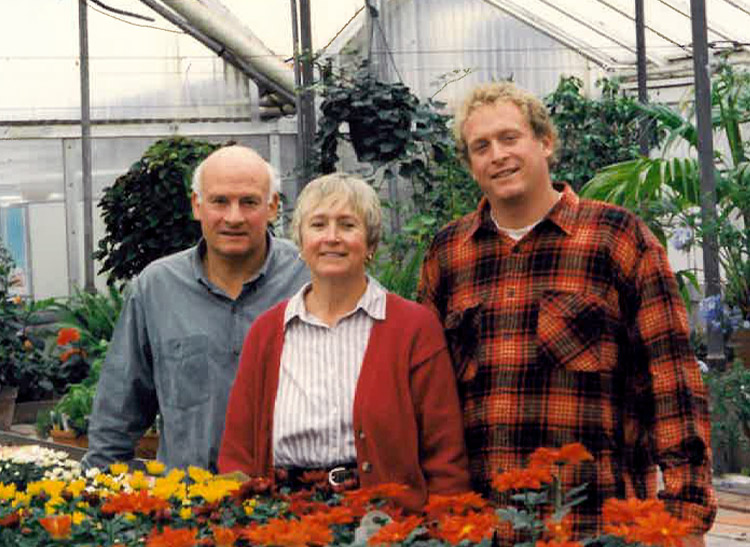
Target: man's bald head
(239, 156)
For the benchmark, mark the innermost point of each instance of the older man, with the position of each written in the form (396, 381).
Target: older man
(176, 345)
(566, 325)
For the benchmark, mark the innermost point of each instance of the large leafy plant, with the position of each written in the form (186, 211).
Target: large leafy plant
(593, 132)
(666, 190)
(147, 212)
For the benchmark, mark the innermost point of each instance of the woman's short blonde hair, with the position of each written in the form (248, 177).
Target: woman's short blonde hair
(333, 189)
(531, 106)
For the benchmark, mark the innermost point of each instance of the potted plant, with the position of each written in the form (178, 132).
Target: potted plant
(11, 344)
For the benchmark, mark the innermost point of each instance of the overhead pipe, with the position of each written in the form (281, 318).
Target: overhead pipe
(240, 40)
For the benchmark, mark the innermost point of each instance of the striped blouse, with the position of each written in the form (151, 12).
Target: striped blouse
(312, 423)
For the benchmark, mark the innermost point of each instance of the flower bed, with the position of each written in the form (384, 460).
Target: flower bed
(46, 500)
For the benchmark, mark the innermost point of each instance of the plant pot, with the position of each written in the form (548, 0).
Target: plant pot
(70, 438)
(147, 446)
(26, 413)
(741, 343)
(7, 406)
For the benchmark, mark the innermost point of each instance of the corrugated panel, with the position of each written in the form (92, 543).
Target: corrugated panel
(429, 39)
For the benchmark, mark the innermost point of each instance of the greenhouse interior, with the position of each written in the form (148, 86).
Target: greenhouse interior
(109, 106)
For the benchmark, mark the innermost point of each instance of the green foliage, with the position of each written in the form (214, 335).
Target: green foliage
(666, 191)
(11, 345)
(147, 212)
(74, 408)
(730, 410)
(592, 132)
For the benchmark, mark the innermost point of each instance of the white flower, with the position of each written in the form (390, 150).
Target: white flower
(703, 366)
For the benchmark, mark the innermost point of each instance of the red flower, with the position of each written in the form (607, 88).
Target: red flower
(57, 527)
(618, 511)
(395, 531)
(67, 335)
(660, 528)
(560, 543)
(518, 479)
(10, 521)
(475, 527)
(289, 533)
(68, 353)
(543, 457)
(169, 537)
(560, 530)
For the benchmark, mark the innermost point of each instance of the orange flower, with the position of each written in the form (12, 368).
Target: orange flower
(224, 537)
(560, 530)
(68, 353)
(454, 503)
(139, 502)
(395, 531)
(475, 527)
(618, 511)
(67, 335)
(574, 454)
(334, 515)
(170, 537)
(660, 528)
(289, 533)
(518, 479)
(11, 521)
(57, 527)
(362, 496)
(542, 457)
(560, 543)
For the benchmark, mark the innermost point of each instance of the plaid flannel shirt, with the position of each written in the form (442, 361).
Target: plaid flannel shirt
(575, 333)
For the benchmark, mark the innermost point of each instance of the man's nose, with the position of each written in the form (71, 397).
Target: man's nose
(233, 214)
(497, 151)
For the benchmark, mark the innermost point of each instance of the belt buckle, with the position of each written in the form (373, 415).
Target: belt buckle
(332, 475)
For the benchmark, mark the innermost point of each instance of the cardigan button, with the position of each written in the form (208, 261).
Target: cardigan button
(366, 467)
(361, 434)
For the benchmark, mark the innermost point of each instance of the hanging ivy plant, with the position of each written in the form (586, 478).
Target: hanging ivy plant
(379, 115)
(147, 212)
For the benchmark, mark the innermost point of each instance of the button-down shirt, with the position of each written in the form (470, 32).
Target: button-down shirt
(175, 350)
(313, 421)
(574, 333)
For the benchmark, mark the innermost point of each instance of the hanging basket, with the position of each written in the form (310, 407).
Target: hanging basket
(7, 406)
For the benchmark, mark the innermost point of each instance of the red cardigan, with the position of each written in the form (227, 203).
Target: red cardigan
(407, 419)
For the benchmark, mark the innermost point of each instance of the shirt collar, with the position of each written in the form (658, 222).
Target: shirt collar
(563, 214)
(372, 302)
(199, 251)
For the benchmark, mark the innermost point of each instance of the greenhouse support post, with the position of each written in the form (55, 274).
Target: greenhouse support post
(88, 236)
(711, 274)
(640, 46)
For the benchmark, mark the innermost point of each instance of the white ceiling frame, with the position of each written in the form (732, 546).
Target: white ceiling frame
(554, 32)
(710, 25)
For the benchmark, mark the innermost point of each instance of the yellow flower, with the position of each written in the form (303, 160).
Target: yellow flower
(53, 504)
(78, 517)
(214, 490)
(118, 468)
(186, 513)
(7, 492)
(175, 475)
(83, 505)
(21, 498)
(249, 507)
(139, 481)
(198, 474)
(76, 487)
(166, 489)
(154, 467)
(51, 488)
(130, 517)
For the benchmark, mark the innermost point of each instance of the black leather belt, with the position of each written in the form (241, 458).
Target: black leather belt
(298, 478)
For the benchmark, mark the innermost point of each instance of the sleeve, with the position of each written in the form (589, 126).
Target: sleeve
(125, 404)
(239, 442)
(442, 448)
(429, 281)
(680, 426)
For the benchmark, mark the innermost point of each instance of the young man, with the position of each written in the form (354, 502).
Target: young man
(565, 325)
(176, 346)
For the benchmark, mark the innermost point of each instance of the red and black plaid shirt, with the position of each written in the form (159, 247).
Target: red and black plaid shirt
(575, 333)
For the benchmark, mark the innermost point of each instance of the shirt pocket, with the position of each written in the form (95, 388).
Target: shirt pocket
(462, 333)
(186, 373)
(572, 332)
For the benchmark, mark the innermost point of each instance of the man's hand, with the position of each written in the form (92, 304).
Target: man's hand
(694, 541)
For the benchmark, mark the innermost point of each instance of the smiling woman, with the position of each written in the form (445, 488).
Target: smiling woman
(344, 377)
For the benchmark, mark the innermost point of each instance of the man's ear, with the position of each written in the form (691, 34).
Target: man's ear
(273, 208)
(195, 202)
